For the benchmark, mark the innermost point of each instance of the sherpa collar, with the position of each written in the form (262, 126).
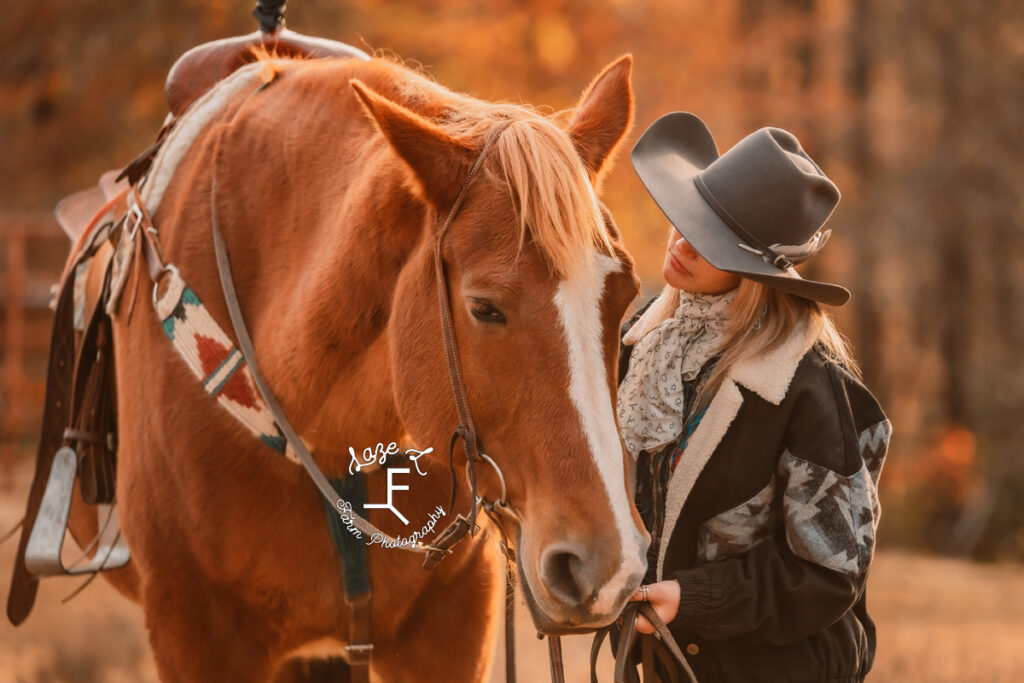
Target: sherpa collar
(768, 375)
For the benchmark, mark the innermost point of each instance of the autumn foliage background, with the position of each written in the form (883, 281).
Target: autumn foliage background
(912, 106)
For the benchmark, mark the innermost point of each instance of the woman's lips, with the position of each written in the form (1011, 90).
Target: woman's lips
(676, 264)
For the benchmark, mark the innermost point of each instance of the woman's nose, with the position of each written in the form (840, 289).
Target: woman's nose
(683, 247)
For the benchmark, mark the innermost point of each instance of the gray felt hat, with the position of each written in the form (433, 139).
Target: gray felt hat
(756, 211)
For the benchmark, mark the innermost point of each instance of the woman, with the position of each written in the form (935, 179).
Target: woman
(757, 446)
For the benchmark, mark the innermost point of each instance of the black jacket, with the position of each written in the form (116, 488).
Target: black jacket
(770, 519)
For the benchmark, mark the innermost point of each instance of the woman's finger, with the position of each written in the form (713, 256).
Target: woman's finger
(642, 625)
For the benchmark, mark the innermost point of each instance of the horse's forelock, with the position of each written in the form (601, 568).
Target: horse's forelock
(536, 161)
(552, 193)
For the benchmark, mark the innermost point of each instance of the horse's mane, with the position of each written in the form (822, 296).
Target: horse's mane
(533, 157)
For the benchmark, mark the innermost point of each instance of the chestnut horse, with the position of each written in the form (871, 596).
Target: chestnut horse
(331, 181)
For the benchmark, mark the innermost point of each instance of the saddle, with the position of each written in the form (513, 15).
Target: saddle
(202, 66)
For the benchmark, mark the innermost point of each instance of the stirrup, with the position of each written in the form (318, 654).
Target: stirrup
(43, 551)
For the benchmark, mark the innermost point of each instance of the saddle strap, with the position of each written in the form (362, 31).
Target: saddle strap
(96, 419)
(510, 626)
(360, 649)
(138, 167)
(93, 407)
(355, 575)
(56, 409)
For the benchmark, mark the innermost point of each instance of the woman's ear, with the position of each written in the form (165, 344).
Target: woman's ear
(603, 116)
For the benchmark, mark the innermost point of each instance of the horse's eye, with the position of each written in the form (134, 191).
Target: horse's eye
(487, 313)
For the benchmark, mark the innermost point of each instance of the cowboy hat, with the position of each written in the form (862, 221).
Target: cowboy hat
(756, 211)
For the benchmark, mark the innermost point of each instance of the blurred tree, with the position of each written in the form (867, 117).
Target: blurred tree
(912, 106)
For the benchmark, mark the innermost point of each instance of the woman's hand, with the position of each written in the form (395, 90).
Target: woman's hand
(664, 598)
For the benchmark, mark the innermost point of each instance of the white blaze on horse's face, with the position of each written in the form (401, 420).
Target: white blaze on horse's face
(578, 301)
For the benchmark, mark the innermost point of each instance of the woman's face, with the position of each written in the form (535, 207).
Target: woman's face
(685, 269)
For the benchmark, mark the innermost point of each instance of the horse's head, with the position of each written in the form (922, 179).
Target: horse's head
(538, 283)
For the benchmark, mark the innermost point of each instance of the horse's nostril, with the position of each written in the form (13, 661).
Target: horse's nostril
(565, 574)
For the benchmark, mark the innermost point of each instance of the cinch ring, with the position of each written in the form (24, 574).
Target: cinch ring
(170, 267)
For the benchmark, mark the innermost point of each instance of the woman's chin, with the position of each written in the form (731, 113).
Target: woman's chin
(673, 276)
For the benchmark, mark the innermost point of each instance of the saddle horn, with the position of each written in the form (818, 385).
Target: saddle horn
(270, 14)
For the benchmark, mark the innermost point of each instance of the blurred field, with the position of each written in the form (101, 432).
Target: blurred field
(938, 620)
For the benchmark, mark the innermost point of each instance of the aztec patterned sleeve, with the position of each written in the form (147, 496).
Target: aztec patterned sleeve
(807, 562)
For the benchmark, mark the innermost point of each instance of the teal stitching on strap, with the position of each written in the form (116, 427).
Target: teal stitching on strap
(234, 357)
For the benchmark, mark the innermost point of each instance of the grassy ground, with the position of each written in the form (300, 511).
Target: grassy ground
(938, 621)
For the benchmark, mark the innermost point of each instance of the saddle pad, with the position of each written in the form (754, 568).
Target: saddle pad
(216, 361)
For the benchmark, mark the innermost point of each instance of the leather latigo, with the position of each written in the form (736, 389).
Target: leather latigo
(80, 404)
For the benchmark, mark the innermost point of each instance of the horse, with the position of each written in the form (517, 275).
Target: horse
(332, 179)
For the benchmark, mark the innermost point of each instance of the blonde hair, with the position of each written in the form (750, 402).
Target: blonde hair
(547, 182)
(749, 333)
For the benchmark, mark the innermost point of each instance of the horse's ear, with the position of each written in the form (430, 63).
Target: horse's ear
(603, 116)
(436, 159)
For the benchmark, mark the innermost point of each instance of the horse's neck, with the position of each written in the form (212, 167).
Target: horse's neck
(335, 316)
(316, 256)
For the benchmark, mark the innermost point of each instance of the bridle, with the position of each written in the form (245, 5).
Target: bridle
(465, 430)
(442, 544)
(500, 507)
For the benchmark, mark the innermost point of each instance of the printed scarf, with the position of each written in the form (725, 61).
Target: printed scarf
(651, 402)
